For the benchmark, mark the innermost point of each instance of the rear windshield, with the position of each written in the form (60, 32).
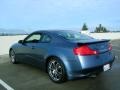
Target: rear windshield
(74, 36)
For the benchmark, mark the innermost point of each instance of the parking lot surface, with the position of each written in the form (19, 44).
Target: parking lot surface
(26, 77)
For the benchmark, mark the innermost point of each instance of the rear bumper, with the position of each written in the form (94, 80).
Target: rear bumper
(89, 71)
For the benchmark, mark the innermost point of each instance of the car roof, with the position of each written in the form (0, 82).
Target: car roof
(54, 31)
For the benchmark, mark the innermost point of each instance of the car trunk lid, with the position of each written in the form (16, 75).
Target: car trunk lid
(100, 46)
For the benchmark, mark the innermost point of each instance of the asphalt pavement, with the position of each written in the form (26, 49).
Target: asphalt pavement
(27, 77)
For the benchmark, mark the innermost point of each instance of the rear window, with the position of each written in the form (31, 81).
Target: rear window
(74, 36)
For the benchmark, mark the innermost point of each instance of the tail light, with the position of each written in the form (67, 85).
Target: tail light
(110, 47)
(84, 51)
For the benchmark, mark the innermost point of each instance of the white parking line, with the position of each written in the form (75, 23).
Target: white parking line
(116, 50)
(5, 85)
(115, 46)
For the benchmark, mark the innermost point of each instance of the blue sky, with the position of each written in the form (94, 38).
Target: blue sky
(59, 14)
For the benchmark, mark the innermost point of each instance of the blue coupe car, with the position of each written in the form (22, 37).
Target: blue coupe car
(63, 54)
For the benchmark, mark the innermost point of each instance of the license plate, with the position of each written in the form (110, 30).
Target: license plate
(106, 67)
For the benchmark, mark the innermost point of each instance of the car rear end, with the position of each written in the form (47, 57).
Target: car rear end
(91, 56)
(94, 56)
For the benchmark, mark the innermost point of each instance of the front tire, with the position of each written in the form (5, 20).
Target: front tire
(56, 70)
(12, 57)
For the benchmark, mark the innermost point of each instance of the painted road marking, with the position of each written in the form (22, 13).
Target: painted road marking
(116, 50)
(5, 85)
(115, 46)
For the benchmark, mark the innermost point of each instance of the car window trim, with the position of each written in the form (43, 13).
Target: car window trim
(40, 39)
(30, 36)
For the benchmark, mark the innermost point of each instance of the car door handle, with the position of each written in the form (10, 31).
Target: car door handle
(33, 47)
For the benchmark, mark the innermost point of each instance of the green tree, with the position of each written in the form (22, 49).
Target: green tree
(101, 29)
(84, 28)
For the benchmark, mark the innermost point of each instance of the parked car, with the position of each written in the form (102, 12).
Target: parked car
(64, 55)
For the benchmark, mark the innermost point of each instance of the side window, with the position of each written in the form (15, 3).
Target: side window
(33, 38)
(45, 38)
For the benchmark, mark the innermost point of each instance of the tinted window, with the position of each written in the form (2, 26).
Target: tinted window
(74, 36)
(45, 38)
(34, 37)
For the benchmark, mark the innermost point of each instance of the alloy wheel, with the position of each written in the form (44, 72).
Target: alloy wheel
(12, 56)
(55, 70)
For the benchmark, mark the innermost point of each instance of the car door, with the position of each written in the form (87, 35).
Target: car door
(41, 50)
(29, 48)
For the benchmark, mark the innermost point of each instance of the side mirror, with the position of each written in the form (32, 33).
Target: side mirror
(20, 41)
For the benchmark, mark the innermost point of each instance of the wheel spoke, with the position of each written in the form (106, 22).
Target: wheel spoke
(55, 70)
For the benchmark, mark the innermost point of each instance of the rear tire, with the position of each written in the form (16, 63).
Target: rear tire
(56, 70)
(12, 57)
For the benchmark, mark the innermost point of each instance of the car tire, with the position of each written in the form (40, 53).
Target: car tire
(56, 70)
(12, 57)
